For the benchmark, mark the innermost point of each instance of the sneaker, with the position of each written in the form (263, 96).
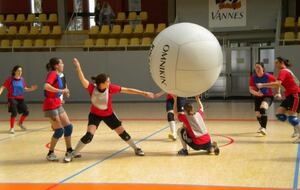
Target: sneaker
(216, 148)
(297, 141)
(12, 131)
(263, 131)
(259, 130)
(172, 137)
(52, 157)
(183, 152)
(22, 126)
(139, 152)
(70, 155)
(296, 133)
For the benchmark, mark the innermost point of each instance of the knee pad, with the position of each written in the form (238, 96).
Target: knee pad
(262, 111)
(281, 117)
(171, 116)
(125, 136)
(293, 120)
(58, 133)
(87, 138)
(68, 130)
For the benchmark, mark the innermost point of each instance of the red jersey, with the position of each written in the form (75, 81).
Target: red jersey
(265, 78)
(195, 127)
(288, 81)
(169, 97)
(52, 100)
(15, 88)
(102, 101)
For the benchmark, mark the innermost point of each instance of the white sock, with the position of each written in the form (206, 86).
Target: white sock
(79, 147)
(130, 142)
(172, 125)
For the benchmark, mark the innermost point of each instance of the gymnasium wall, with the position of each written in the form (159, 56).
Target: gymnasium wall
(260, 14)
(290, 52)
(126, 68)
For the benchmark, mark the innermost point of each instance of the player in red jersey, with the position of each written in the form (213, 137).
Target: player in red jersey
(263, 97)
(52, 107)
(101, 91)
(290, 106)
(16, 86)
(194, 132)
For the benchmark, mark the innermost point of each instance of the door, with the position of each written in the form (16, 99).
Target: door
(239, 66)
(267, 56)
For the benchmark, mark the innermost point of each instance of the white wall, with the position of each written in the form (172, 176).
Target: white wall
(290, 52)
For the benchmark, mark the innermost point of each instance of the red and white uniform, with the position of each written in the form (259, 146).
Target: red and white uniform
(102, 101)
(288, 81)
(195, 127)
(52, 100)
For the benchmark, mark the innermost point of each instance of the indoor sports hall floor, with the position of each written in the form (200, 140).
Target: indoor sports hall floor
(246, 160)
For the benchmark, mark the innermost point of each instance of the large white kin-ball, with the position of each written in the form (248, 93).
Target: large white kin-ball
(185, 59)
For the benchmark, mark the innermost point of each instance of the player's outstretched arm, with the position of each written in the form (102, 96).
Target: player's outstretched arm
(83, 80)
(275, 84)
(138, 92)
(159, 94)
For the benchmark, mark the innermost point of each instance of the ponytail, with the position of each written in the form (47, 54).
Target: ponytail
(52, 63)
(284, 61)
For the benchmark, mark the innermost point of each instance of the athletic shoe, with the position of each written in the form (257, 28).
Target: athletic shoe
(259, 130)
(263, 131)
(52, 157)
(12, 131)
(172, 137)
(22, 127)
(216, 148)
(183, 152)
(296, 133)
(70, 155)
(139, 152)
(297, 140)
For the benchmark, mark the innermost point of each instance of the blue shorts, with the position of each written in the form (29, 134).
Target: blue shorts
(180, 104)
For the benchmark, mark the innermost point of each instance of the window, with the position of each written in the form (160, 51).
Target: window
(92, 4)
(36, 6)
(77, 22)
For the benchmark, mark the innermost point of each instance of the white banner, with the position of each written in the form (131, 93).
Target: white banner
(227, 13)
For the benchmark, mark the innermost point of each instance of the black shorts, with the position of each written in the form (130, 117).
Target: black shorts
(111, 121)
(292, 103)
(259, 100)
(18, 105)
(191, 144)
(180, 104)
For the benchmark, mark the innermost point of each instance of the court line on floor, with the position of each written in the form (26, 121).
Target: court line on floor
(296, 174)
(12, 136)
(108, 157)
(128, 119)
